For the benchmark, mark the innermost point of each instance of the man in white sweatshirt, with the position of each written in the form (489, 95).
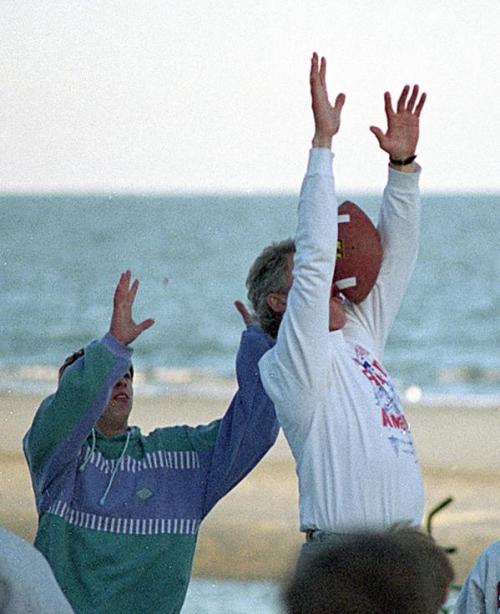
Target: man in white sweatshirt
(339, 410)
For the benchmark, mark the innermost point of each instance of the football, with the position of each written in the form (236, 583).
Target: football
(359, 253)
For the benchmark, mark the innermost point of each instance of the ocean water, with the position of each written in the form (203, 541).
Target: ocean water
(61, 256)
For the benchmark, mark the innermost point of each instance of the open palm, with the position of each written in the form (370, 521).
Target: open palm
(326, 116)
(401, 138)
(123, 328)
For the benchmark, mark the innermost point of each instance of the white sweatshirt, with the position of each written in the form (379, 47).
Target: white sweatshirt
(340, 413)
(480, 593)
(27, 584)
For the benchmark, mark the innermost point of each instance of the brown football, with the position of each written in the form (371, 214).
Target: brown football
(359, 253)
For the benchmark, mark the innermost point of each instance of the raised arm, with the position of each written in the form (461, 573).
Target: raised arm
(399, 219)
(299, 357)
(65, 419)
(401, 137)
(326, 116)
(249, 427)
(123, 328)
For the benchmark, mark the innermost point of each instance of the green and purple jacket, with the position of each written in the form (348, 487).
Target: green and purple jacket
(119, 516)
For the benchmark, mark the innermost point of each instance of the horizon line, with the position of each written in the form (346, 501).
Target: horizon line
(222, 192)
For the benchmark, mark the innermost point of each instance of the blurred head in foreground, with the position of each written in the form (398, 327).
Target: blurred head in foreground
(400, 571)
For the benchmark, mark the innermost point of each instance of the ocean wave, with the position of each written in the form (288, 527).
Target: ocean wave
(58, 288)
(450, 375)
(414, 395)
(41, 379)
(451, 389)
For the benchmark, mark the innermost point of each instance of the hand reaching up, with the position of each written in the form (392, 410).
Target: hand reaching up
(244, 313)
(401, 138)
(326, 117)
(123, 328)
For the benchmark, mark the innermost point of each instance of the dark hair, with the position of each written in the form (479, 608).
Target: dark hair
(74, 357)
(400, 571)
(269, 273)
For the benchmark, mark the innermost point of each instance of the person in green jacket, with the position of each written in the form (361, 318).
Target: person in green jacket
(119, 511)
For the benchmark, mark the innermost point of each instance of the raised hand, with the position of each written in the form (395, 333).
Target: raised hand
(326, 117)
(123, 328)
(244, 313)
(400, 140)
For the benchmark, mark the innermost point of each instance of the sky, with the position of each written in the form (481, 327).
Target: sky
(213, 96)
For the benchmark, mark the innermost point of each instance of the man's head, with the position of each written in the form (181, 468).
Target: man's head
(114, 418)
(401, 571)
(268, 284)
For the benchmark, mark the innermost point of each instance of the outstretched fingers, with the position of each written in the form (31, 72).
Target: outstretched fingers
(133, 291)
(123, 327)
(339, 102)
(413, 99)
(326, 116)
(389, 111)
(317, 75)
(313, 73)
(378, 133)
(244, 313)
(322, 72)
(401, 137)
(414, 104)
(420, 104)
(126, 293)
(144, 325)
(122, 286)
(402, 99)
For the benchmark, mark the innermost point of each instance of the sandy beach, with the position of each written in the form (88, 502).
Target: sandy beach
(253, 532)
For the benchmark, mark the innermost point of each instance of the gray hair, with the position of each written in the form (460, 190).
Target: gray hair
(269, 273)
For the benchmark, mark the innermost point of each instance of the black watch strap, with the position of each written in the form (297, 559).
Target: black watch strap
(404, 162)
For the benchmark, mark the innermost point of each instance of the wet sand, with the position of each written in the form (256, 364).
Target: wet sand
(253, 532)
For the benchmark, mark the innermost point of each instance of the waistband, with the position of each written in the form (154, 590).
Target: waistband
(318, 535)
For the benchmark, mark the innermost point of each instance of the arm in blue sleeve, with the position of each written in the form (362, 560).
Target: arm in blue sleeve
(65, 419)
(249, 427)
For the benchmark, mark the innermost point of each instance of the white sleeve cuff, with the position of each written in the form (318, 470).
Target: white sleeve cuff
(320, 161)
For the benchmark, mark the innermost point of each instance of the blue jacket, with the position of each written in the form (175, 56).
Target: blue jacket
(119, 516)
